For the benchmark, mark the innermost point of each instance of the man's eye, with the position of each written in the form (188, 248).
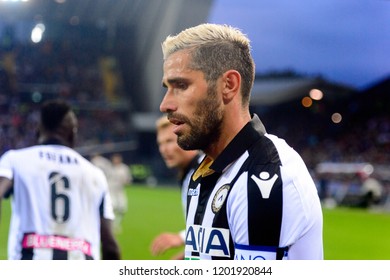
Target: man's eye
(181, 85)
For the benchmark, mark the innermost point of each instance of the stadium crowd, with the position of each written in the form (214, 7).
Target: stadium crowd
(19, 121)
(31, 73)
(368, 141)
(362, 135)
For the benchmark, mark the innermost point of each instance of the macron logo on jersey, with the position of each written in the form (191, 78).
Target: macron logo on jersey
(265, 183)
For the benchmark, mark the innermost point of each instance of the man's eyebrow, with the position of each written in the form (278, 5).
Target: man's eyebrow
(173, 81)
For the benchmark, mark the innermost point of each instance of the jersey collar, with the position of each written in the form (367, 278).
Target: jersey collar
(247, 136)
(193, 165)
(52, 141)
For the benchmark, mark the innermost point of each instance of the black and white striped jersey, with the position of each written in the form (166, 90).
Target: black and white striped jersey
(185, 179)
(184, 182)
(257, 200)
(58, 198)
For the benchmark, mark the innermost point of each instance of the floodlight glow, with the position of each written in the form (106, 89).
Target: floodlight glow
(41, 26)
(37, 33)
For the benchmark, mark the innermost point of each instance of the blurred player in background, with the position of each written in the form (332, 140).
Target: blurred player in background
(185, 163)
(119, 177)
(61, 208)
(252, 196)
(102, 162)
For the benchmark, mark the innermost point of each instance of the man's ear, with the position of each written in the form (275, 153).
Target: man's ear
(231, 85)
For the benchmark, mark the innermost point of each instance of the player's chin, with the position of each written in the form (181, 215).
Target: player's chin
(180, 129)
(170, 164)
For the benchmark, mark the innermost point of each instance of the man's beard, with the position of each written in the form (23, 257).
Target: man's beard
(206, 125)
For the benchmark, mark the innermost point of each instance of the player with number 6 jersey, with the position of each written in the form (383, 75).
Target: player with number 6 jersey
(61, 208)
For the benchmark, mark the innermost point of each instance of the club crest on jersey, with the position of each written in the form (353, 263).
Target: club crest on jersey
(219, 198)
(265, 183)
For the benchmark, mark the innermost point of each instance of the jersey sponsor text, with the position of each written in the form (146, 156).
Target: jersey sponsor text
(57, 157)
(208, 241)
(56, 242)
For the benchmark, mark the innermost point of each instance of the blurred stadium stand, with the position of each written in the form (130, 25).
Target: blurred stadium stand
(104, 56)
(361, 134)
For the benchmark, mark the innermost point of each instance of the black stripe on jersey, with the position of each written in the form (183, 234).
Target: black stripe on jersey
(264, 212)
(208, 184)
(63, 255)
(101, 208)
(60, 254)
(27, 254)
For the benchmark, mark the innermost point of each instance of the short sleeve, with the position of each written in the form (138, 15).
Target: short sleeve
(6, 166)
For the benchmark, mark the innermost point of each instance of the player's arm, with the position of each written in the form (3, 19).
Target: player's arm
(6, 175)
(5, 186)
(166, 241)
(110, 248)
(109, 245)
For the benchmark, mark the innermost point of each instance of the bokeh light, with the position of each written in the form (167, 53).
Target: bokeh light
(307, 102)
(336, 118)
(316, 94)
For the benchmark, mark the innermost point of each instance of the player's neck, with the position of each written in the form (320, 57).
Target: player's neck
(52, 139)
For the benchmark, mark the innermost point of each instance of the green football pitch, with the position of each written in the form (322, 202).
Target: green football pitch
(349, 234)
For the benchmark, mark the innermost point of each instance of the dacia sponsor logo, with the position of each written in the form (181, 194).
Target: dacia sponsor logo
(207, 240)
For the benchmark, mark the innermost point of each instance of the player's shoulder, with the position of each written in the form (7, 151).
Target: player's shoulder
(89, 169)
(92, 168)
(8, 153)
(278, 142)
(83, 162)
(285, 151)
(18, 152)
(275, 152)
(86, 163)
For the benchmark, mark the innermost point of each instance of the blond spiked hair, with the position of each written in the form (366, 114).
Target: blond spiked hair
(214, 49)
